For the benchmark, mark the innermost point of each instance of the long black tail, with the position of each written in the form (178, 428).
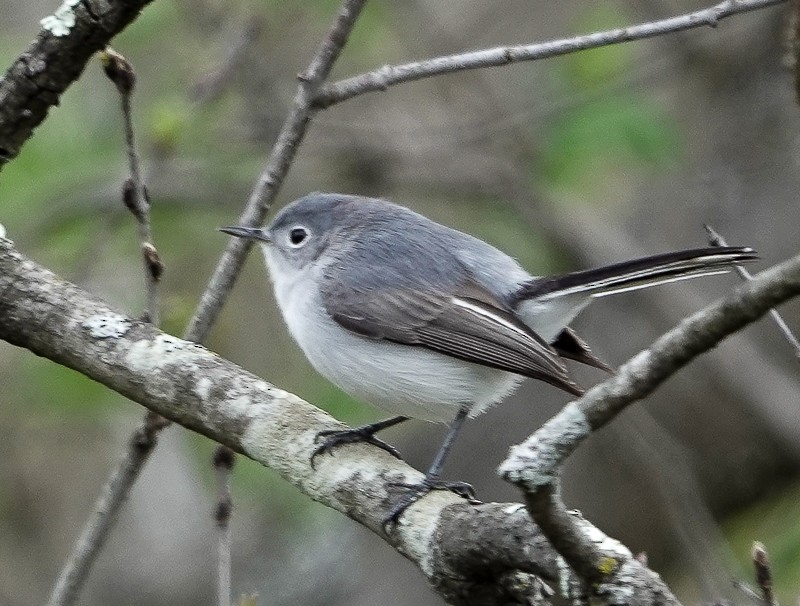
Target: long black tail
(638, 273)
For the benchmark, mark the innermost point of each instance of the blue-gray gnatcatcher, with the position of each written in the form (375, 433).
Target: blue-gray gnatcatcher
(431, 323)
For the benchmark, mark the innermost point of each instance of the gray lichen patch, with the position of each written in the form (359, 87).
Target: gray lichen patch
(63, 20)
(535, 462)
(107, 326)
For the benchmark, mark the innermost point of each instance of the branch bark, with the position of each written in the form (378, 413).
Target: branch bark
(391, 75)
(534, 465)
(471, 554)
(188, 384)
(35, 81)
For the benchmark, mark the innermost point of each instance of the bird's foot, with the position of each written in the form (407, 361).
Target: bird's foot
(335, 437)
(416, 491)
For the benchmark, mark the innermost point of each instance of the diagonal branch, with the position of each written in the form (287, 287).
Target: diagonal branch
(392, 75)
(35, 81)
(271, 178)
(534, 465)
(186, 383)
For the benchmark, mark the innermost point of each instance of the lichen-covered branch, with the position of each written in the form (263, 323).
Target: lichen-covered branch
(37, 78)
(470, 554)
(391, 75)
(535, 464)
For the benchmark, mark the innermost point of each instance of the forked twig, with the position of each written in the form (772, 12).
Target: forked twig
(391, 75)
(715, 239)
(117, 487)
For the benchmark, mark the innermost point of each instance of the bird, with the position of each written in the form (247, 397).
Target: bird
(428, 322)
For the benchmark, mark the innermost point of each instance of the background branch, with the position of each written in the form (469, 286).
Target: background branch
(104, 511)
(36, 80)
(391, 75)
(715, 239)
(271, 178)
(186, 383)
(534, 465)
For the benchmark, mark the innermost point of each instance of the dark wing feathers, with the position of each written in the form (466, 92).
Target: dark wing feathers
(569, 345)
(475, 331)
(464, 327)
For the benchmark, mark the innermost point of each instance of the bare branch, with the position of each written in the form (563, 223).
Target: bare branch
(188, 384)
(391, 75)
(763, 573)
(269, 182)
(38, 77)
(104, 512)
(715, 239)
(224, 460)
(534, 465)
(120, 71)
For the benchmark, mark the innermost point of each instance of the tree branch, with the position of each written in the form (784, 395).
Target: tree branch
(534, 465)
(104, 512)
(271, 178)
(38, 77)
(391, 75)
(188, 384)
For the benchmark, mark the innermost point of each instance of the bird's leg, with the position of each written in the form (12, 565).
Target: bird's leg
(431, 480)
(365, 433)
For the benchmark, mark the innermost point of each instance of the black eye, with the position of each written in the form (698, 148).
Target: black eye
(298, 235)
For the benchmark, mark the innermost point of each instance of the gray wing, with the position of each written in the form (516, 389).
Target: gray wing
(465, 323)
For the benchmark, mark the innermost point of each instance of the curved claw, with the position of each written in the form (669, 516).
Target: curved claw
(336, 437)
(417, 491)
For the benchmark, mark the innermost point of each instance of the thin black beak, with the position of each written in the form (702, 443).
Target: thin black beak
(254, 233)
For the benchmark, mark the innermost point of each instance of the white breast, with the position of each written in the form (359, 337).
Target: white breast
(402, 379)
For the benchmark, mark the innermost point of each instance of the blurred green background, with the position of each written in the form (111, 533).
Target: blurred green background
(565, 163)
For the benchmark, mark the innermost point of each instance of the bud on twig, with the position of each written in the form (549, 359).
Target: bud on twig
(154, 264)
(223, 458)
(129, 198)
(763, 572)
(119, 70)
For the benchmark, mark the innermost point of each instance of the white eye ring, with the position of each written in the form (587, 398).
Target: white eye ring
(298, 236)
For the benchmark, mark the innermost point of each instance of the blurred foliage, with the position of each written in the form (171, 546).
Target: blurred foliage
(612, 130)
(57, 391)
(60, 199)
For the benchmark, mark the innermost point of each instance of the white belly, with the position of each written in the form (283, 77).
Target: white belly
(402, 379)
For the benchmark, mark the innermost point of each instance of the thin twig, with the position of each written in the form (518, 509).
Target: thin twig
(120, 71)
(534, 465)
(391, 75)
(224, 459)
(715, 239)
(269, 182)
(212, 83)
(748, 591)
(205, 393)
(104, 512)
(264, 192)
(763, 573)
(117, 487)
